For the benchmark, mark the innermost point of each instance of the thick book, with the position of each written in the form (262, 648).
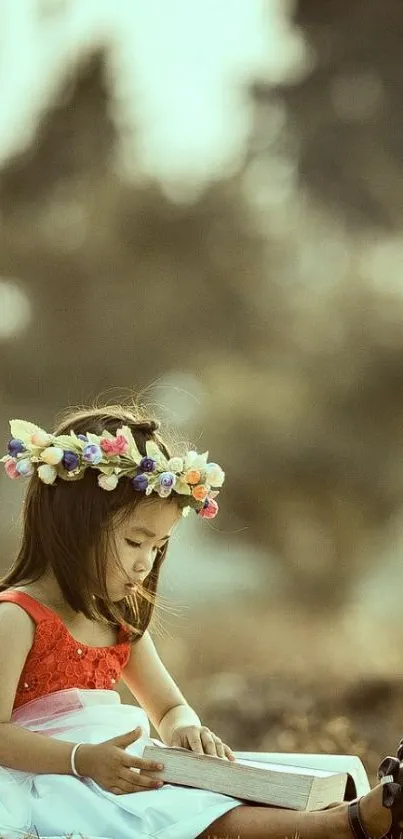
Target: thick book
(273, 782)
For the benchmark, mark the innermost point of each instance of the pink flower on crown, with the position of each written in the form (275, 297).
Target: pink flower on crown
(209, 510)
(117, 446)
(10, 466)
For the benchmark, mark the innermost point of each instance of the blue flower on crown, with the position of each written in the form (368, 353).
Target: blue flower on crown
(92, 453)
(70, 461)
(15, 447)
(140, 482)
(147, 464)
(167, 480)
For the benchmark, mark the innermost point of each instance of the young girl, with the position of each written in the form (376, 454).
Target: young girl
(104, 497)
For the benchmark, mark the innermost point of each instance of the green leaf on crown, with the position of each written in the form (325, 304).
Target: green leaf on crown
(65, 442)
(106, 435)
(93, 438)
(133, 451)
(22, 430)
(154, 451)
(182, 487)
(107, 470)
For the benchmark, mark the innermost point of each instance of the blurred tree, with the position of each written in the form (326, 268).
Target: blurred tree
(305, 393)
(347, 111)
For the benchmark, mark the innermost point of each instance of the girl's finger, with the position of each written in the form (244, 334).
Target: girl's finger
(220, 748)
(209, 743)
(139, 763)
(195, 743)
(229, 753)
(122, 787)
(138, 779)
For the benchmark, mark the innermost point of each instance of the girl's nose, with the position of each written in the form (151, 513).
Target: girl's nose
(144, 566)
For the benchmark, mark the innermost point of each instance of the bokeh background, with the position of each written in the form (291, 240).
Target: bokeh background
(201, 203)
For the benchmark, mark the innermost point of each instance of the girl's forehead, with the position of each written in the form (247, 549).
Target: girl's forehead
(158, 517)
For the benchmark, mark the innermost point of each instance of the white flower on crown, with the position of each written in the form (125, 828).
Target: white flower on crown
(108, 482)
(53, 455)
(215, 475)
(175, 464)
(193, 460)
(47, 474)
(40, 438)
(164, 492)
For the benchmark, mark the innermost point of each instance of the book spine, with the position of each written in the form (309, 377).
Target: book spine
(310, 795)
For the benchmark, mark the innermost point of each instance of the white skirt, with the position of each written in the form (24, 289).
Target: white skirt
(56, 805)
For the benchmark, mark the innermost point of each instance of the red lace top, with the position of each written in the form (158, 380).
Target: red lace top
(57, 661)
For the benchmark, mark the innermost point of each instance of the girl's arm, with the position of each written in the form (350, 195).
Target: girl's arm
(175, 718)
(30, 752)
(19, 748)
(155, 690)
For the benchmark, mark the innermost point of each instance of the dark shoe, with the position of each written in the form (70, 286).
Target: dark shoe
(390, 773)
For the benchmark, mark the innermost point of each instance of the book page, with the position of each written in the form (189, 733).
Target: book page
(335, 763)
(290, 768)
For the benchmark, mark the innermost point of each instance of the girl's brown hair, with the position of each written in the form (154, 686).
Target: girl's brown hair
(66, 523)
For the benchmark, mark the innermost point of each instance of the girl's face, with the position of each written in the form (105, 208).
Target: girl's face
(137, 541)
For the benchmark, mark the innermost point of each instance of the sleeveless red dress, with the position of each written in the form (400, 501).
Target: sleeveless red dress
(58, 804)
(57, 661)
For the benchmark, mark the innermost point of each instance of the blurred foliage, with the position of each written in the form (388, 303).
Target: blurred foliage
(308, 715)
(277, 304)
(347, 112)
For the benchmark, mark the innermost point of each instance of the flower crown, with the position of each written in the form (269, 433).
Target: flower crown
(67, 456)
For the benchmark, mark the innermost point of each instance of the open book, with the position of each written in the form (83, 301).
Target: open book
(271, 779)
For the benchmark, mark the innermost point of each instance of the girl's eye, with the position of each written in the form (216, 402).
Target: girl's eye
(138, 545)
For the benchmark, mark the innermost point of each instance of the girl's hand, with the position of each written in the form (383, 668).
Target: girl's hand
(201, 740)
(111, 766)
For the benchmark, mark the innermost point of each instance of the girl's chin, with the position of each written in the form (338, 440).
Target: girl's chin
(118, 593)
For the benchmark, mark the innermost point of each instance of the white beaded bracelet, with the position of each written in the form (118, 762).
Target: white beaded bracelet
(72, 760)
